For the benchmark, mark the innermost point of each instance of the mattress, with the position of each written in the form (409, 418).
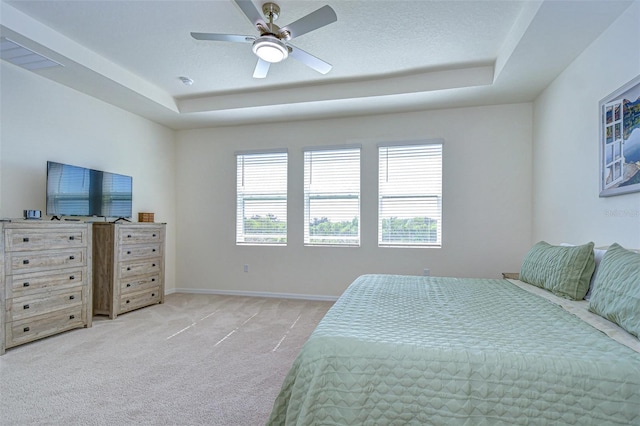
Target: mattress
(432, 350)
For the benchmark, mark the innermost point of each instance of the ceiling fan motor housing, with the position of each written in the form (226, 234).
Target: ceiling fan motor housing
(271, 11)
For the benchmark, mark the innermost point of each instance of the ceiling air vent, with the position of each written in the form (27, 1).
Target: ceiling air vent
(19, 55)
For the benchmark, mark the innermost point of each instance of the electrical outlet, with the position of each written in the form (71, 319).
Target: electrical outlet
(246, 268)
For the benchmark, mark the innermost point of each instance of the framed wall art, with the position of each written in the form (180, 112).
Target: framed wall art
(620, 140)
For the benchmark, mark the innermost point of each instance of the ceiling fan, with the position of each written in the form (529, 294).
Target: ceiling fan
(272, 45)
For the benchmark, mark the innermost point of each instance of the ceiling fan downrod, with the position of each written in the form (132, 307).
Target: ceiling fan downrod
(271, 11)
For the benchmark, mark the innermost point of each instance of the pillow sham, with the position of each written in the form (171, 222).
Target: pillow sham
(616, 291)
(598, 253)
(563, 270)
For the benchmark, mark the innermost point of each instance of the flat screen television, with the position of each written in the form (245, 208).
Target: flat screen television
(78, 191)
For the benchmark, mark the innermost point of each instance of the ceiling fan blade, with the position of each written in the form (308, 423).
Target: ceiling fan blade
(321, 17)
(224, 37)
(250, 10)
(309, 60)
(262, 68)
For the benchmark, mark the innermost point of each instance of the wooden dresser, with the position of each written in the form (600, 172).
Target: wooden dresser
(45, 269)
(128, 268)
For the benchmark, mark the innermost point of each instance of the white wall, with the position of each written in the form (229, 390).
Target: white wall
(567, 207)
(513, 174)
(486, 202)
(42, 120)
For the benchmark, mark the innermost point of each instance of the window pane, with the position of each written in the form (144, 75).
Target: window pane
(332, 197)
(261, 216)
(410, 195)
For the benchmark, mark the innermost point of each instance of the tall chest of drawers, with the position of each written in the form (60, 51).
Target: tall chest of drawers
(128, 268)
(45, 269)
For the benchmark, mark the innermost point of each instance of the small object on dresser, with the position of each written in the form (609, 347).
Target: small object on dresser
(145, 217)
(511, 275)
(32, 214)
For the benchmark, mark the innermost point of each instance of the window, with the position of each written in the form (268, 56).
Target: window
(410, 195)
(613, 157)
(261, 216)
(332, 196)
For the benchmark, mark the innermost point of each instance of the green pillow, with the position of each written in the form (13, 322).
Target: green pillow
(563, 270)
(616, 290)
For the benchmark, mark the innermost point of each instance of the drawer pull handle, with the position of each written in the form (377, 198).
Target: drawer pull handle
(153, 280)
(153, 250)
(129, 252)
(128, 285)
(26, 329)
(71, 257)
(25, 240)
(25, 262)
(127, 301)
(25, 284)
(72, 297)
(153, 294)
(72, 316)
(153, 264)
(154, 235)
(25, 307)
(72, 277)
(129, 236)
(128, 268)
(72, 238)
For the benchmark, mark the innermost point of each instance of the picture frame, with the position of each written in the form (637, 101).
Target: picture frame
(619, 140)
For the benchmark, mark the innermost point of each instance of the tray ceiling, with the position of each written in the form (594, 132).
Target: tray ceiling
(387, 56)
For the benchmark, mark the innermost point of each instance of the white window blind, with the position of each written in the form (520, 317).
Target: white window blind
(410, 195)
(261, 216)
(332, 196)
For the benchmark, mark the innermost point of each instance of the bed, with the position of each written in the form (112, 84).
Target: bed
(436, 350)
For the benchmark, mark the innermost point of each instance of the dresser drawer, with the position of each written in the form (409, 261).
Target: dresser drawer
(22, 262)
(44, 303)
(140, 284)
(23, 331)
(133, 252)
(139, 235)
(132, 301)
(39, 239)
(23, 284)
(142, 267)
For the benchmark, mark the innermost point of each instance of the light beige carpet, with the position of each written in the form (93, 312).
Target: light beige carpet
(195, 360)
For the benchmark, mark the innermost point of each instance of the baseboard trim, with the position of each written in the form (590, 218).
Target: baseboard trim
(313, 297)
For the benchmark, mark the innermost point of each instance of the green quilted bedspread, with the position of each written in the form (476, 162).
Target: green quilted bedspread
(398, 350)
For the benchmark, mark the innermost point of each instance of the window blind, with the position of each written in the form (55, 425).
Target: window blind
(332, 196)
(261, 215)
(410, 195)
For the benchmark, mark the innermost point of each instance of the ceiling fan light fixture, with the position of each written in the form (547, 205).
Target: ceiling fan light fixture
(270, 49)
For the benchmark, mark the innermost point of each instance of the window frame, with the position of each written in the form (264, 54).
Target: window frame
(437, 195)
(308, 197)
(278, 194)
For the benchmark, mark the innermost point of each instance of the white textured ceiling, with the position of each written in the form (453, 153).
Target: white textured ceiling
(387, 56)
